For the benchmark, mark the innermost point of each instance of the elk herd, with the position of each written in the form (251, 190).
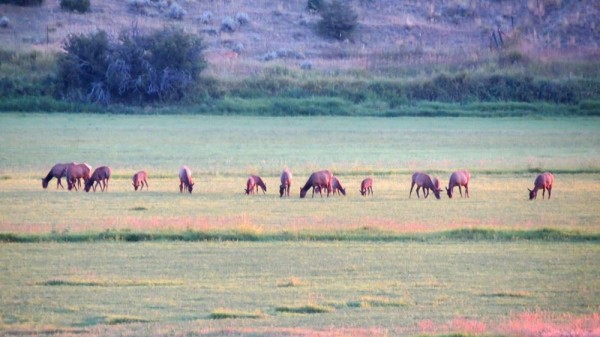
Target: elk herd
(319, 182)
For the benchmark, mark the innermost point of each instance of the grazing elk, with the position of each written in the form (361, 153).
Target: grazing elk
(337, 186)
(185, 179)
(57, 171)
(321, 180)
(286, 183)
(366, 187)
(543, 182)
(139, 180)
(75, 172)
(259, 183)
(459, 178)
(425, 182)
(100, 177)
(250, 185)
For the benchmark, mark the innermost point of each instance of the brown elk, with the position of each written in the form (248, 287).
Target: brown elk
(459, 178)
(543, 182)
(100, 177)
(139, 180)
(75, 172)
(259, 183)
(423, 180)
(286, 183)
(185, 179)
(250, 185)
(321, 180)
(366, 187)
(337, 186)
(57, 171)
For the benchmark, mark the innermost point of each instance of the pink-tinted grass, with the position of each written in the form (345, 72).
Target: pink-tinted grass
(525, 324)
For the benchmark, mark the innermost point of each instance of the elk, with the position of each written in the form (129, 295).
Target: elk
(100, 176)
(286, 183)
(259, 183)
(75, 172)
(366, 187)
(250, 185)
(139, 180)
(543, 182)
(185, 179)
(321, 180)
(337, 186)
(459, 178)
(424, 181)
(57, 171)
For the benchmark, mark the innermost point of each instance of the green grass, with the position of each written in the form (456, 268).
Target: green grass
(504, 156)
(233, 314)
(394, 287)
(125, 262)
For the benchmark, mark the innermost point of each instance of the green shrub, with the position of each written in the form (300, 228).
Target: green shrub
(82, 68)
(80, 6)
(160, 66)
(338, 20)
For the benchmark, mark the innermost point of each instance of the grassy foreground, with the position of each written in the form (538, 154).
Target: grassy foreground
(299, 288)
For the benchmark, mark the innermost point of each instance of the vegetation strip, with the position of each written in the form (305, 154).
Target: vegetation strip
(364, 234)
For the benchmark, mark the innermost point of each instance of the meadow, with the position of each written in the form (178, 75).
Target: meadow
(262, 265)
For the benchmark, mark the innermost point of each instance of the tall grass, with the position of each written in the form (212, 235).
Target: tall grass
(484, 91)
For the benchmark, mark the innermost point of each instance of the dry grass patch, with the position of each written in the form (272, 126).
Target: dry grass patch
(291, 282)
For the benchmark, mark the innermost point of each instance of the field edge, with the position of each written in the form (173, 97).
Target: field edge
(365, 234)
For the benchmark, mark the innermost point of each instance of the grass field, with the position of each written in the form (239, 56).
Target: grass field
(284, 283)
(299, 289)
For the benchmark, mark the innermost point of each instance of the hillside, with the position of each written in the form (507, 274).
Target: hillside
(391, 34)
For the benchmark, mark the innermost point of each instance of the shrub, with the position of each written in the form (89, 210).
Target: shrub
(176, 12)
(229, 25)
(160, 66)
(242, 18)
(80, 6)
(338, 20)
(83, 67)
(206, 17)
(4, 22)
(315, 5)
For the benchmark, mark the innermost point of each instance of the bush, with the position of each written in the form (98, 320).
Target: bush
(80, 6)
(242, 18)
(23, 2)
(160, 66)
(176, 12)
(83, 67)
(338, 20)
(4, 22)
(315, 5)
(229, 24)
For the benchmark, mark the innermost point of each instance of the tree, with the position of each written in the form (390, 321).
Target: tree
(338, 20)
(160, 66)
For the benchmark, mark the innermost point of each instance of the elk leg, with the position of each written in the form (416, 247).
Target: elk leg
(411, 188)
(549, 191)
(460, 191)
